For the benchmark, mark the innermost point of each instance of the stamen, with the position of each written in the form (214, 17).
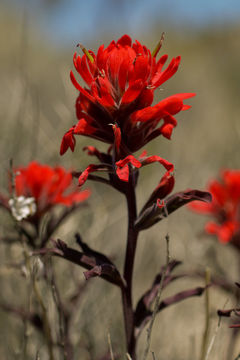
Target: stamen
(150, 87)
(159, 45)
(102, 73)
(86, 52)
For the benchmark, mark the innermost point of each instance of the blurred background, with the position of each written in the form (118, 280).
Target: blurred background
(38, 39)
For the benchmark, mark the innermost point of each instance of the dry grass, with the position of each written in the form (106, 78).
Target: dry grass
(37, 107)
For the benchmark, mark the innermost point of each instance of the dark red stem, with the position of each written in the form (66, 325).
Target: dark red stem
(128, 269)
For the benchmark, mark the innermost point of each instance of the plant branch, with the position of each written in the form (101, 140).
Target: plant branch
(96, 263)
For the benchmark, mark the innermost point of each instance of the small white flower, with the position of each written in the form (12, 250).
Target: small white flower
(22, 207)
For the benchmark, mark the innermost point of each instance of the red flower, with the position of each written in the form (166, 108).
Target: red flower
(47, 185)
(115, 107)
(225, 207)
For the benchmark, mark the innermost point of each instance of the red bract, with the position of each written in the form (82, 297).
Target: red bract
(122, 166)
(116, 104)
(225, 207)
(48, 186)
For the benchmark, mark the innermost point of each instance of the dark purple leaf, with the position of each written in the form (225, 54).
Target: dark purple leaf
(145, 302)
(180, 297)
(90, 252)
(154, 214)
(225, 313)
(171, 300)
(86, 260)
(100, 270)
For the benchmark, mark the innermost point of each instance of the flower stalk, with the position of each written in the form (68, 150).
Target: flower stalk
(129, 267)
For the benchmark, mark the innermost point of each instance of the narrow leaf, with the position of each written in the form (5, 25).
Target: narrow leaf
(145, 302)
(98, 264)
(154, 214)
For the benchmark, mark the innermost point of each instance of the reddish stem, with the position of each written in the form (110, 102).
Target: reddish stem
(128, 269)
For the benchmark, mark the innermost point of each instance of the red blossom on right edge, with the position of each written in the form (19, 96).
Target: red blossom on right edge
(224, 208)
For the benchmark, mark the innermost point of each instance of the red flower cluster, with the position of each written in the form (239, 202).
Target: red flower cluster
(47, 186)
(115, 107)
(225, 207)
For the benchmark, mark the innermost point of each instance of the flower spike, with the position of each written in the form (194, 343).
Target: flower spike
(120, 81)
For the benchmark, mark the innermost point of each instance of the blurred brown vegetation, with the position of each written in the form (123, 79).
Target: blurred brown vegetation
(37, 107)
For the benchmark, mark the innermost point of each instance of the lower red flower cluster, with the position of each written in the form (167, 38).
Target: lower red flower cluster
(224, 208)
(47, 185)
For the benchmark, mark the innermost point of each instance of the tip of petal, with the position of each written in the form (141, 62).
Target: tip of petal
(188, 95)
(74, 81)
(64, 146)
(63, 149)
(186, 107)
(68, 140)
(125, 40)
(167, 130)
(82, 178)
